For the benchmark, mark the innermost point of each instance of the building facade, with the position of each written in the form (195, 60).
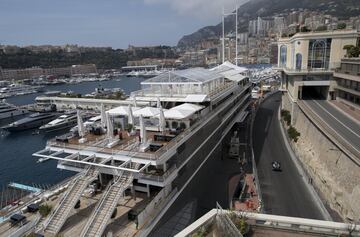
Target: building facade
(347, 79)
(308, 60)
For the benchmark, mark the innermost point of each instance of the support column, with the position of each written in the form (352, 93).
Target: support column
(148, 190)
(133, 192)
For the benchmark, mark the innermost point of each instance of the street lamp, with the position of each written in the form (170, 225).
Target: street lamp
(236, 32)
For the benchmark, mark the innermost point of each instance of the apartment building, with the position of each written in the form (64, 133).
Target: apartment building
(308, 61)
(347, 79)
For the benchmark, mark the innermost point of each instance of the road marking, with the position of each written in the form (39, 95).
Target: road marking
(336, 118)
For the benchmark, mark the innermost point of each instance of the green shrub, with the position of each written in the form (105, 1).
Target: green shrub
(341, 25)
(293, 134)
(286, 116)
(45, 210)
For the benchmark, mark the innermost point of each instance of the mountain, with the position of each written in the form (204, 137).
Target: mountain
(264, 8)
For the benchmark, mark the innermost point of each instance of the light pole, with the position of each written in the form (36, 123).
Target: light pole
(236, 33)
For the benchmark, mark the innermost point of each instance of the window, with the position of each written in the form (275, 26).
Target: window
(298, 61)
(319, 53)
(283, 54)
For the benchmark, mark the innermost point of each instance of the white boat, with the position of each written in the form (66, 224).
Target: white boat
(62, 122)
(8, 110)
(18, 89)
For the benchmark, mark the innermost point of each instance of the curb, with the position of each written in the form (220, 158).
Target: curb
(303, 174)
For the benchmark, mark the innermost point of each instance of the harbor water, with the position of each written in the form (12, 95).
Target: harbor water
(16, 161)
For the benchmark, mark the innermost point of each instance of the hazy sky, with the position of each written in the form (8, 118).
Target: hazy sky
(115, 23)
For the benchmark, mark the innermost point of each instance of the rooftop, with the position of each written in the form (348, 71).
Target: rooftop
(192, 75)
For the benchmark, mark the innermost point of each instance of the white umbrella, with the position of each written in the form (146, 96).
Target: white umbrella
(81, 128)
(142, 130)
(109, 127)
(162, 122)
(158, 102)
(130, 116)
(134, 100)
(103, 116)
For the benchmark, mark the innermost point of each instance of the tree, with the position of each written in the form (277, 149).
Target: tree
(352, 51)
(341, 26)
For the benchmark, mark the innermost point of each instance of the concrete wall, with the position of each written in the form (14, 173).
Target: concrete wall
(333, 173)
(337, 52)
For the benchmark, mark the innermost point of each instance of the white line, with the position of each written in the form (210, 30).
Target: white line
(336, 118)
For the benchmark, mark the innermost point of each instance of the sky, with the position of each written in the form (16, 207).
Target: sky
(115, 23)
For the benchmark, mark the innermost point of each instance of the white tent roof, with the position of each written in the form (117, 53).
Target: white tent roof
(182, 111)
(226, 66)
(187, 106)
(147, 112)
(121, 110)
(177, 114)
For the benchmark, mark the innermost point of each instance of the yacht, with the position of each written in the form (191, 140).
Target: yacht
(155, 149)
(32, 121)
(92, 122)
(19, 89)
(8, 110)
(62, 122)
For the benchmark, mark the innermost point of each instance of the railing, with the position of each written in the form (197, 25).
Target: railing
(343, 145)
(27, 227)
(158, 178)
(151, 156)
(284, 223)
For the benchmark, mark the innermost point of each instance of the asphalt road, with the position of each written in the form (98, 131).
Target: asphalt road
(284, 193)
(348, 129)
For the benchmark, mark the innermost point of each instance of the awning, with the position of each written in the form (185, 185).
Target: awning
(121, 110)
(182, 111)
(188, 106)
(195, 98)
(177, 114)
(147, 112)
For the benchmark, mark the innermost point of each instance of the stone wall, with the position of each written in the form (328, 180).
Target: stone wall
(332, 172)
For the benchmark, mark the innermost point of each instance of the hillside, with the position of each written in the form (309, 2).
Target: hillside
(254, 8)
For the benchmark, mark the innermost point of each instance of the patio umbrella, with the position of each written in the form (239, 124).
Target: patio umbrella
(103, 116)
(81, 127)
(162, 122)
(158, 102)
(109, 127)
(130, 116)
(142, 130)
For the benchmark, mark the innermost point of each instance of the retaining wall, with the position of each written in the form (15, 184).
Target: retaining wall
(332, 172)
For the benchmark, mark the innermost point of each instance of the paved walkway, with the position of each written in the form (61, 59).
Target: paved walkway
(251, 202)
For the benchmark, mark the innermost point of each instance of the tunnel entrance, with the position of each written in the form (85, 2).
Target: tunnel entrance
(314, 92)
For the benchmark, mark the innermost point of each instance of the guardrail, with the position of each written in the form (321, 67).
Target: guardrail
(275, 222)
(340, 142)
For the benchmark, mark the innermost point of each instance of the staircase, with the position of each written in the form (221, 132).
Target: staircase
(105, 207)
(72, 195)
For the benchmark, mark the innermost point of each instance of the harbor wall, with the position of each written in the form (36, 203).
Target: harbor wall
(332, 172)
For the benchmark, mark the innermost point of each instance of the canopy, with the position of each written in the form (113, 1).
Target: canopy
(188, 106)
(182, 111)
(147, 112)
(177, 114)
(121, 110)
